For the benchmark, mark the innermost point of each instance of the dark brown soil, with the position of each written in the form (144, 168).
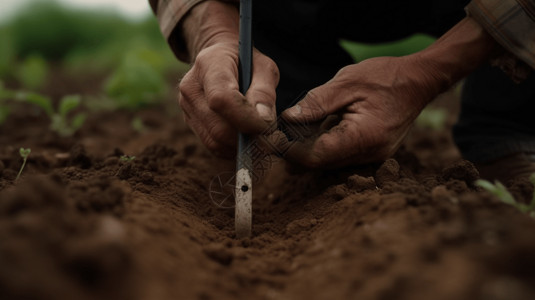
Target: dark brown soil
(82, 223)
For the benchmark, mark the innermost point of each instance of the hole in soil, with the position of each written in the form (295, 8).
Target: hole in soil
(244, 188)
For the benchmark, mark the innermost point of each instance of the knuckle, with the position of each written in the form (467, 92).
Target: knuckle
(186, 85)
(273, 69)
(218, 99)
(270, 67)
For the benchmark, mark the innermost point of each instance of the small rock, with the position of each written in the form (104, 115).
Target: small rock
(360, 183)
(337, 192)
(388, 172)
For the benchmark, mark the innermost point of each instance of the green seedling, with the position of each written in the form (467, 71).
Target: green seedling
(126, 158)
(500, 191)
(59, 120)
(24, 153)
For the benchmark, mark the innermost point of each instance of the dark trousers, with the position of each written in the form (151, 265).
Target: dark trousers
(302, 37)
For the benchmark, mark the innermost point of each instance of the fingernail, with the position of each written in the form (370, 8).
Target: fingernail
(265, 112)
(294, 111)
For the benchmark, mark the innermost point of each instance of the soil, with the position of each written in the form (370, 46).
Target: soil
(82, 223)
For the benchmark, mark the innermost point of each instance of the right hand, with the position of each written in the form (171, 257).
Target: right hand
(213, 106)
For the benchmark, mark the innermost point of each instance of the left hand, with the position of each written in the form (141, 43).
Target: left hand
(377, 101)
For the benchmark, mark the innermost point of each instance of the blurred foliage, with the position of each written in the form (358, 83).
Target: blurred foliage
(432, 118)
(136, 82)
(132, 55)
(412, 44)
(7, 52)
(32, 72)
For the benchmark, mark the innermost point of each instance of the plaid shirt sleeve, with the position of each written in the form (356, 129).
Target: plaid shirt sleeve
(170, 13)
(512, 24)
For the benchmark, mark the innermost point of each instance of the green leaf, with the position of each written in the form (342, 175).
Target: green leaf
(68, 103)
(24, 152)
(44, 102)
(78, 121)
(497, 189)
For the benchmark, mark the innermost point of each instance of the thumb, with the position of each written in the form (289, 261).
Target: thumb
(317, 104)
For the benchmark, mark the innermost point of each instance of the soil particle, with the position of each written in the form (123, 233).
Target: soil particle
(126, 171)
(461, 170)
(79, 157)
(387, 172)
(99, 195)
(457, 186)
(338, 192)
(147, 178)
(359, 183)
(441, 194)
(33, 193)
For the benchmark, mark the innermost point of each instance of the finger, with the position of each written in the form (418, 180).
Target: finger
(211, 128)
(205, 122)
(223, 97)
(320, 102)
(224, 148)
(343, 144)
(261, 93)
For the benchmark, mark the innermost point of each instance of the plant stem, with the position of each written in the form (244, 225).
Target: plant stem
(21, 168)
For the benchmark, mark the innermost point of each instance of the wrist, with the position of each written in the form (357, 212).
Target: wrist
(456, 54)
(209, 23)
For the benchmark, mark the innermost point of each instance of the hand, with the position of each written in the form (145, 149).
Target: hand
(209, 93)
(377, 100)
(213, 106)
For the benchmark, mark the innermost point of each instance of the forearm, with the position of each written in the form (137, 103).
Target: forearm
(208, 23)
(459, 52)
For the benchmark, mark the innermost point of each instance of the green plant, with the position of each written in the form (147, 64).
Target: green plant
(32, 72)
(135, 83)
(362, 51)
(433, 118)
(24, 153)
(500, 191)
(59, 120)
(127, 158)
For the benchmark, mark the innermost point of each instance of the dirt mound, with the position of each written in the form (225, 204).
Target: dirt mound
(87, 220)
